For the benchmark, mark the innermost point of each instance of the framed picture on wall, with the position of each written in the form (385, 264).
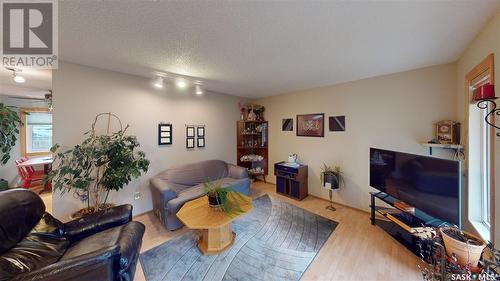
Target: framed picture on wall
(200, 132)
(311, 125)
(336, 123)
(201, 142)
(189, 142)
(287, 124)
(190, 131)
(164, 134)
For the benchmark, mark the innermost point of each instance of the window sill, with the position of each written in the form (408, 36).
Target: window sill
(34, 154)
(481, 229)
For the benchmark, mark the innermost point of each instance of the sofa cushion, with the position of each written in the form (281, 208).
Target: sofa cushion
(104, 239)
(43, 246)
(239, 185)
(196, 173)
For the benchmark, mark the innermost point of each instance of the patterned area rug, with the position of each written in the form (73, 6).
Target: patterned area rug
(275, 241)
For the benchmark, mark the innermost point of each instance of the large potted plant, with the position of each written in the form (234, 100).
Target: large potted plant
(9, 130)
(98, 165)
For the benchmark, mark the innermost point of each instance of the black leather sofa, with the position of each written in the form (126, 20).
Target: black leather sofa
(36, 246)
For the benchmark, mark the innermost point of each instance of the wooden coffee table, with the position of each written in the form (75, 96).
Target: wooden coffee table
(213, 224)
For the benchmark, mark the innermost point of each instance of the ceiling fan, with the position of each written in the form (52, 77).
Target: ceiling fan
(47, 98)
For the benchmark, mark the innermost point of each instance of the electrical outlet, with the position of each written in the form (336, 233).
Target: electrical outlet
(137, 195)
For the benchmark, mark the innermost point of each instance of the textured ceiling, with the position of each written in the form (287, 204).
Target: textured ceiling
(262, 48)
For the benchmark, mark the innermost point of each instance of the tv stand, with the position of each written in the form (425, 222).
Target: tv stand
(400, 224)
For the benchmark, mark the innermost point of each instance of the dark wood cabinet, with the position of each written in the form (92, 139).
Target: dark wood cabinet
(291, 181)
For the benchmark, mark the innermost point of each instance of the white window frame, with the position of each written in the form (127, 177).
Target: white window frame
(24, 132)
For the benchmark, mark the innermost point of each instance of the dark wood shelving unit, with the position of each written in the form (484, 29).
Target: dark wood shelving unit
(252, 138)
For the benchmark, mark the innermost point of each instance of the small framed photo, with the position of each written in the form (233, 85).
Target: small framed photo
(164, 134)
(287, 124)
(201, 142)
(190, 131)
(336, 123)
(189, 142)
(200, 132)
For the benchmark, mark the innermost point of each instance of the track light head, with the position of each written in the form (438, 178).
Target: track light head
(198, 90)
(158, 82)
(181, 83)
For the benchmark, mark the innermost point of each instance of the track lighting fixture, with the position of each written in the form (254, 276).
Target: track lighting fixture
(158, 82)
(181, 83)
(198, 89)
(16, 76)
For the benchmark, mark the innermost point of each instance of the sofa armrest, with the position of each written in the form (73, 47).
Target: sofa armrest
(97, 265)
(162, 188)
(97, 222)
(116, 262)
(237, 172)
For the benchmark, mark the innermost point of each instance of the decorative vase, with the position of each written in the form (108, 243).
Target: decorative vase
(467, 253)
(330, 178)
(251, 115)
(214, 200)
(89, 210)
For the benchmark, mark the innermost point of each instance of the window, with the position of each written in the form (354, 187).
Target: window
(36, 132)
(485, 168)
(479, 146)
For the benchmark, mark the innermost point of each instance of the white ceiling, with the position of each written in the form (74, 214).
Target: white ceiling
(262, 48)
(38, 83)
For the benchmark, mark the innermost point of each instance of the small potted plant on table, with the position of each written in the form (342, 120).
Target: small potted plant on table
(224, 197)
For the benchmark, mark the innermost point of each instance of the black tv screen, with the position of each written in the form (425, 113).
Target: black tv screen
(430, 184)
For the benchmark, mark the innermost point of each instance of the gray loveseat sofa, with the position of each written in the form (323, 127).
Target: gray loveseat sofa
(172, 188)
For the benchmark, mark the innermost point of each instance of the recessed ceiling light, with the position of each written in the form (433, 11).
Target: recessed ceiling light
(158, 82)
(181, 83)
(198, 90)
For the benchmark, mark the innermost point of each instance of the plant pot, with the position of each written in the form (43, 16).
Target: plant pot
(467, 253)
(4, 185)
(214, 200)
(330, 178)
(89, 210)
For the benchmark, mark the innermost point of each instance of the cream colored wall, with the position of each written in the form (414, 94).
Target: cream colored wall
(81, 92)
(486, 42)
(392, 112)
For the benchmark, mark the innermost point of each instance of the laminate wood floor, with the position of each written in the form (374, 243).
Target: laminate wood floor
(355, 251)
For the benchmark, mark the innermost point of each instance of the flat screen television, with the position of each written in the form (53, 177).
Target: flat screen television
(430, 184)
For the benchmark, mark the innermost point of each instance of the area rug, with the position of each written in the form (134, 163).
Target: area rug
(275, 241)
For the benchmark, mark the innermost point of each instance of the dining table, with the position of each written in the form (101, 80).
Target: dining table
(45, 161)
